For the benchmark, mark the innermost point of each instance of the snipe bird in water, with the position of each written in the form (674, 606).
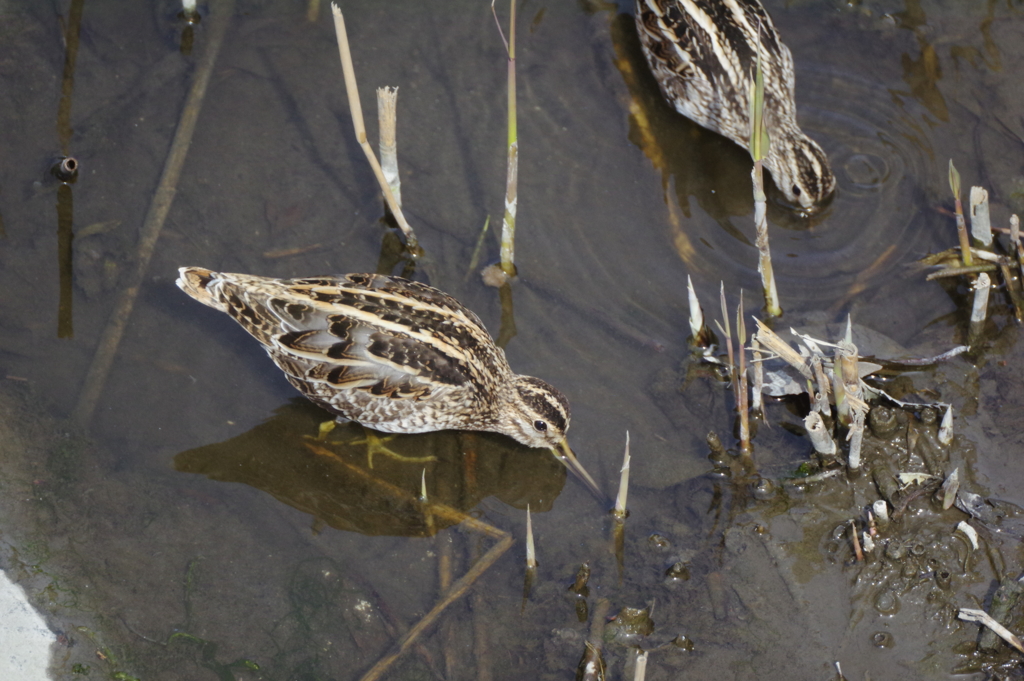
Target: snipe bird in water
(703, 54)
(391, 354)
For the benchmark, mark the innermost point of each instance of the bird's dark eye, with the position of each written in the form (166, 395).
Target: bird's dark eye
(541, 426)
(796, 190)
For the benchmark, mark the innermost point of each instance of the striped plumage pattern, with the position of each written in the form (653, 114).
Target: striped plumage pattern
(396, 355)
(703, 54)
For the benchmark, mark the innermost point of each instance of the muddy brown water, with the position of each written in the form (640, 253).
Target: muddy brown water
(189, 534)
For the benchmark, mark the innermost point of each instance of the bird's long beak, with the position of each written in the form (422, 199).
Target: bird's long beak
(565, 455)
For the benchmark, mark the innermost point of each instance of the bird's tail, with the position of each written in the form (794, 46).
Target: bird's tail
(197, 281)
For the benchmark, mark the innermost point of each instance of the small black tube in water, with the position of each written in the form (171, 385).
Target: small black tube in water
(65, 169)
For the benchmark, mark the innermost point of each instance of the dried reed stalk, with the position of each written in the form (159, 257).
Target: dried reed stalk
(387, 111)
(961, 227)
(508, 224)
(981, 225)
(356, 109)
(759, 143)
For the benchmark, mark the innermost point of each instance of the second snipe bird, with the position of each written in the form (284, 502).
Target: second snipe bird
(392, 354)
(703, 54)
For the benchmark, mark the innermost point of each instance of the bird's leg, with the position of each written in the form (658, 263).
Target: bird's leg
(325, 429)
(375, 445)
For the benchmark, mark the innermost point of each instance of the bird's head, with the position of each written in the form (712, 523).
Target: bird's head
(801, 170)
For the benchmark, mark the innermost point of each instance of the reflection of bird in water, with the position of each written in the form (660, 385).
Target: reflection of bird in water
(395, 355)
(703, 54)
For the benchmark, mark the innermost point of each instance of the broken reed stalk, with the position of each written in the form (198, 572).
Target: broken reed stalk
(1003, 601)
(846, 380)
(759, 143)
(858, 554)
(700, 334)
(387, 111)
(979, 309)
(458, 588)
(821, 440)
(741, 395)
(981, 224)
(620, 498)
(946, 426)
(356, 109)
(764, 261)
(155, 217)
(757, 389)
(982, 617)
(850, 406)
(428, 517)
(881, 510)
(508, 224)
(961, 227)
(950, 486)
(530, 576)
(856, 435)
(820, 403)
(640, 670)
(592, 665)
(1016, 243)
(619, 513)
(774, 344)
(531, 549)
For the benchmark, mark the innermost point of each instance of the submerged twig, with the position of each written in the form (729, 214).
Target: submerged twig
(312, 10)
(981, 225)
(1012, 290)
(474, 260)
(1015, 242)
(154, 221)
(531, 560)
(958, 271)
(982, 617)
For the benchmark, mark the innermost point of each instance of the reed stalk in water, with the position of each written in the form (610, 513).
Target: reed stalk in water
(387, 110)
(508, 224)
(356, 109)
(961, 226)
(759, 143)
